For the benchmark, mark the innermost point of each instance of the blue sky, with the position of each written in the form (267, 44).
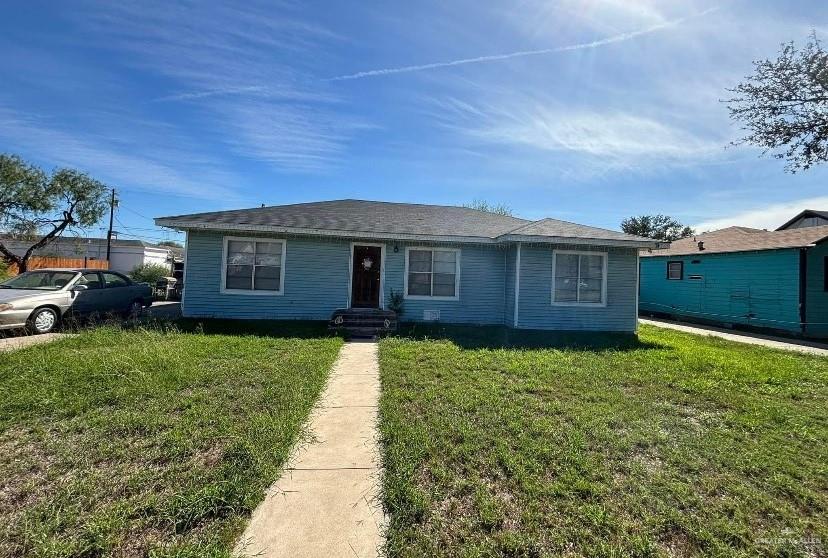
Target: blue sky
(584, 110)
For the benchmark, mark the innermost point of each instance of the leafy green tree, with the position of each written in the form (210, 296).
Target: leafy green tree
(39, 207)
(783, 106)
(658, 227)
(483, 205)
(171, 244)
(149, 273)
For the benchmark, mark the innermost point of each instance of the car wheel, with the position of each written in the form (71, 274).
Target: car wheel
(43, 320)
(135, 309)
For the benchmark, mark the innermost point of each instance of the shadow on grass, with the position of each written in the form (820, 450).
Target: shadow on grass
(502, 337)
(292, 329)
(464, 336)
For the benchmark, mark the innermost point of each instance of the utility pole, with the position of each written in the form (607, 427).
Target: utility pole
(109, 233)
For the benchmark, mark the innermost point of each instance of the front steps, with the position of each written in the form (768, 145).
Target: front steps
(363, 322)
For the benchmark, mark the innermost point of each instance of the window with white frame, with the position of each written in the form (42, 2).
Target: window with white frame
(253, 264)
(579, 278)
(432, 272)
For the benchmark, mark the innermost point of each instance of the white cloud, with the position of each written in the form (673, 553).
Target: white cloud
(238, 66)
(618, 38)
(769, 217)
(163, 166)
(604, 139)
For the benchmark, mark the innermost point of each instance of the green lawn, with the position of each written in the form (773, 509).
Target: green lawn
(677, 445)
(145, 443)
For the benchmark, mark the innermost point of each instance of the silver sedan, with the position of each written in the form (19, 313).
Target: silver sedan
(38, 300)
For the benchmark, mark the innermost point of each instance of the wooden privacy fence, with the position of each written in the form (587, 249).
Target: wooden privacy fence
(39, 262)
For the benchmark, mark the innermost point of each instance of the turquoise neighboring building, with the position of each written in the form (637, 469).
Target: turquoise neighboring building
(322, 260)
(739, 276)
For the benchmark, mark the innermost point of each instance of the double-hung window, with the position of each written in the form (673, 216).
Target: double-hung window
(675, 271)
(579, 278)
(432, 273)
(253, 265)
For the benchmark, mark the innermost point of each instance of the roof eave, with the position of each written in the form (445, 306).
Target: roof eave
(196, 225)
(643, 243)
(186, 226)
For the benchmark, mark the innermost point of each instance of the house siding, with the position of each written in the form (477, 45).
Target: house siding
(481, 298)
(509, 287)
(316, 282)
(758, 288)
(816, 297)
(536, 310)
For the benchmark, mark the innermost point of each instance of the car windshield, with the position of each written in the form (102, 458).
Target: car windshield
(39, 280)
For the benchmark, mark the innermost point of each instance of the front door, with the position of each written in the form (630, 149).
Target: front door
(365, 278)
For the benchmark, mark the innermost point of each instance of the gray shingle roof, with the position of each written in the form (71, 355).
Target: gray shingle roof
(743, 239)
(378, 219)
(805, 213)
(553, 227)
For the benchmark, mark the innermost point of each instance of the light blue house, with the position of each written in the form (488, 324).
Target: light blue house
(775, 280)
(451, 264)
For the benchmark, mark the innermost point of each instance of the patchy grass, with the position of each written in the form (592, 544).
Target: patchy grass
(145, 442)
(678, 445)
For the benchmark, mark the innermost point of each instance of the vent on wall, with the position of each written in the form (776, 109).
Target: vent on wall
(431, 315)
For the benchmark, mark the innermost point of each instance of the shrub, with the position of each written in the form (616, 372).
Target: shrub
(149, 273)
(396, 301)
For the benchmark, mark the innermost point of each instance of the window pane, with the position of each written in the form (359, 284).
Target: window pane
(239, 252)
(91, 280)
(592, 267)
(239, 277)
(590, 290)
(566, 290)
(674, 270)
(419, 261)
(269, 253)
(444, 284)
(566, 266)
(445, 262)
(419, 284)
(113, 280)
(267, 278)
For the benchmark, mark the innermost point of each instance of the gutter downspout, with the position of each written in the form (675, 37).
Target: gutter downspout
(517, 286)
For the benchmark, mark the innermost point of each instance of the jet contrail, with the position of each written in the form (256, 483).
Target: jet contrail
(493, 57)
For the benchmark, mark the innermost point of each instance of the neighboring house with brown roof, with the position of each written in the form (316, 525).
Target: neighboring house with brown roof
(452, 264)
(742, 276)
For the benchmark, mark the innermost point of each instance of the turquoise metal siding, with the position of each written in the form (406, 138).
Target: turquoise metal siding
(481, 285)
(750, 288)
(816, 298)
(316, 281)
(536, 310)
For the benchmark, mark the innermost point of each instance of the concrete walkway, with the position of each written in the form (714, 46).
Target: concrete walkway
(802, 346)
(14, 343)
(326, 504)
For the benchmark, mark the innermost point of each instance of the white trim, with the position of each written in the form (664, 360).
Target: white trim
(517, 285)
(637, 286)
(225, 290)
(603, 302)
(184, 276)
(382, 271)
(433, 249)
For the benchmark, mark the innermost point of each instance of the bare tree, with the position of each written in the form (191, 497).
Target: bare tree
(483, 205)
(783, 106)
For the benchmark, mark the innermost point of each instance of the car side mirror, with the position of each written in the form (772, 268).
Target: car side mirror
(80, 288)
